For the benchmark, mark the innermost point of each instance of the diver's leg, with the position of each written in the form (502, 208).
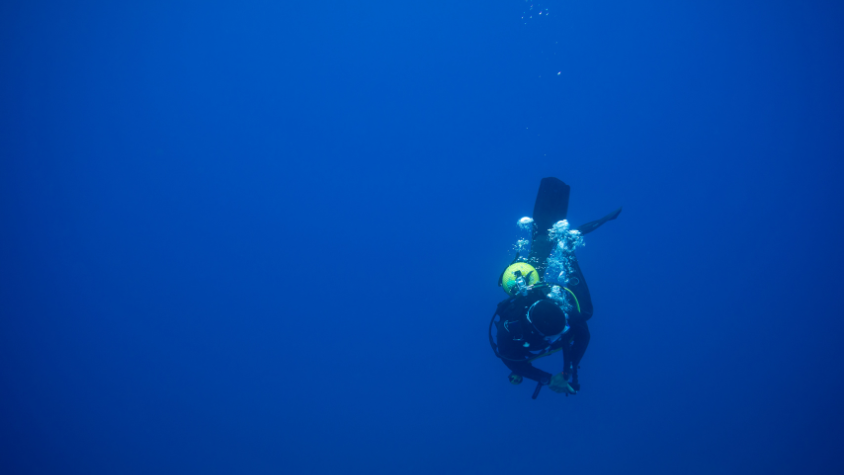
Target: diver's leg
(552, 204)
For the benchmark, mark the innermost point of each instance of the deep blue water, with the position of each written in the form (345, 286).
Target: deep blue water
(264, 237)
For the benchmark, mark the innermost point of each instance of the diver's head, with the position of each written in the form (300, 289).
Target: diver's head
(547, 318)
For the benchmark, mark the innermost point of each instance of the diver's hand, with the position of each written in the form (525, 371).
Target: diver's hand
(559, 384)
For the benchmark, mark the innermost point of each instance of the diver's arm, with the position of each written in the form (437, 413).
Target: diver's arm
(560, 381)
(574, 349)
(567, 356)
(580, 337)
(566, 380)
(527, 370)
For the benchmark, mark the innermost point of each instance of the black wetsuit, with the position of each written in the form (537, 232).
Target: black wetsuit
(516, 342)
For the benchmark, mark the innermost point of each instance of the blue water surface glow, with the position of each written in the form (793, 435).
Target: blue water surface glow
(264, 237)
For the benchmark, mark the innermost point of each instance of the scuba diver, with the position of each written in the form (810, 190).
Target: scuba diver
(549, 302)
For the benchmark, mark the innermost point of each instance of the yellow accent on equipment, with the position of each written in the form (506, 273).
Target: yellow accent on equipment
(508, 280)
(575, 298)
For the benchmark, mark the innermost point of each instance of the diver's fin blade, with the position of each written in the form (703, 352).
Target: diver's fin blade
(552, 203)
(593, 225)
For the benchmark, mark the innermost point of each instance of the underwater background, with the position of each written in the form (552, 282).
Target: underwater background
(264, 237)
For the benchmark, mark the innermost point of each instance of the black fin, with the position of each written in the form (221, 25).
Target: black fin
(593, 225)
(552, 203)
